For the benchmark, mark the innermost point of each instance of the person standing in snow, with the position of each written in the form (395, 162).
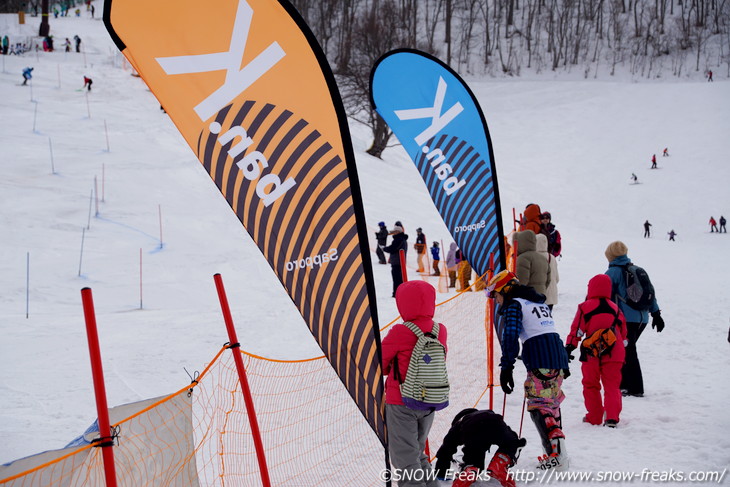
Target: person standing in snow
(476, 431)
(382, 237)
(713, 223)
(722, 225)
(632, 381)
(67, 45)
(647, 229)
(634, 178)
(653, 161)
(420, 247)
(87, 82)
(532, 269)
(595, 313)
(672, 234)
(528, 319)
(399, 243)
(463, 271)
(531, 218)
(709, 75)
(77, 39)
(554, 241)
(551, 291)
(665, 153)
(451, 264)
(6, 44)
(408, 428)
(436, 257)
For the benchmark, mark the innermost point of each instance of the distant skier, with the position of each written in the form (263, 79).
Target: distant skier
(420, 247)
(672, 234)
(647, 231)
(665, 153)
(653, 161)
(709, 75)
(722, 225)
(87, 83)
(67, 44)
(77, 40)
(634, 178)
(27, 75)
(713, 225)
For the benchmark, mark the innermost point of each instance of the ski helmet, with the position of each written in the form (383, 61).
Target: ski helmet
(502, 282)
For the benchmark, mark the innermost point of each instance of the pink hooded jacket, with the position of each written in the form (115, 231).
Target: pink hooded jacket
(599, 287)
(416, 302)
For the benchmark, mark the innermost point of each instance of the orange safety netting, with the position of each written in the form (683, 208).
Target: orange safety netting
(312, 431)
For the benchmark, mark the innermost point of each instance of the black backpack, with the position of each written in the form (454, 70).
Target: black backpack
(639, 289)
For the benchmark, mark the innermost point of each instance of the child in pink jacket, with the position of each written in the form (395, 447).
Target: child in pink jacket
(596, 312)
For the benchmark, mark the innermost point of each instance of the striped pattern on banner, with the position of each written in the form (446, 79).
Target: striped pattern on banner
(252, 93)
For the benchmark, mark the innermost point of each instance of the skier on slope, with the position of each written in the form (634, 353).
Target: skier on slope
(27, 74)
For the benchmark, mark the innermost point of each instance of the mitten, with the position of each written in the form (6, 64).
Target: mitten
(569, 350)
(657, 321)
(506, 381)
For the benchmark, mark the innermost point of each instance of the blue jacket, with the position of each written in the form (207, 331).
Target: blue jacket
(618, 292)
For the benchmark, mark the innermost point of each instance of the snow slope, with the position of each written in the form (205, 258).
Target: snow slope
(570, 146)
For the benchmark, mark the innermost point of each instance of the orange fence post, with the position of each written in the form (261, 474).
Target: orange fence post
(490, 336)
(248, 399)
(106, 439)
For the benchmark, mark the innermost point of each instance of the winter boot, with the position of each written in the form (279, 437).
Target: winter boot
(498, 467)
(466, 477)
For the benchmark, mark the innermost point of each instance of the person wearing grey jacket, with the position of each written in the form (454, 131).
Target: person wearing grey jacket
(551, 293)
(532, 268)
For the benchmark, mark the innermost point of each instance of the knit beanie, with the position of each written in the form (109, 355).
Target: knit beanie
(616, 249)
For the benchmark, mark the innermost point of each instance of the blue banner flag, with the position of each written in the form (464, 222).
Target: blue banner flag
(436, 117)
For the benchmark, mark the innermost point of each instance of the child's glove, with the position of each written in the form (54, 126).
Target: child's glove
(657, 321)
(569, 350)
(506, 380)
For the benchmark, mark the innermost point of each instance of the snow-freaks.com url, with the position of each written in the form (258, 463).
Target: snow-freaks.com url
(646, 475)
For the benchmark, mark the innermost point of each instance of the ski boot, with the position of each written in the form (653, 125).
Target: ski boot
(498, 469)
(466, 477)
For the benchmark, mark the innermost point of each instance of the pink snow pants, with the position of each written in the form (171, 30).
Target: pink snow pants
(596, 372)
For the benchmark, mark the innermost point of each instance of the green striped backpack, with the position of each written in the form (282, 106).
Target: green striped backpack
(426, 385)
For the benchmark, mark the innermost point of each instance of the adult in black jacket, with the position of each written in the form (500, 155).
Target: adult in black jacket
(400, 241)
(477, 431)
(382, 236)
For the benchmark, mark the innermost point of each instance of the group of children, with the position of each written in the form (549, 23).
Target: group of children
(605, 329)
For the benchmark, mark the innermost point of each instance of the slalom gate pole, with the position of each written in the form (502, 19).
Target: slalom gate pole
(159, 211)
(248, 399)
(522, 418)
(27, 285)
(489, 323)
(403, 270)
(96, 197)
(514, 220)
(504, 404)
(35, 115)
(140, 278)
(50, 146)
(105, 442)
(106, 131)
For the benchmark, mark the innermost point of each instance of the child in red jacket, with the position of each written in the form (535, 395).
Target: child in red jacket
(595, 313)
(408, 428)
